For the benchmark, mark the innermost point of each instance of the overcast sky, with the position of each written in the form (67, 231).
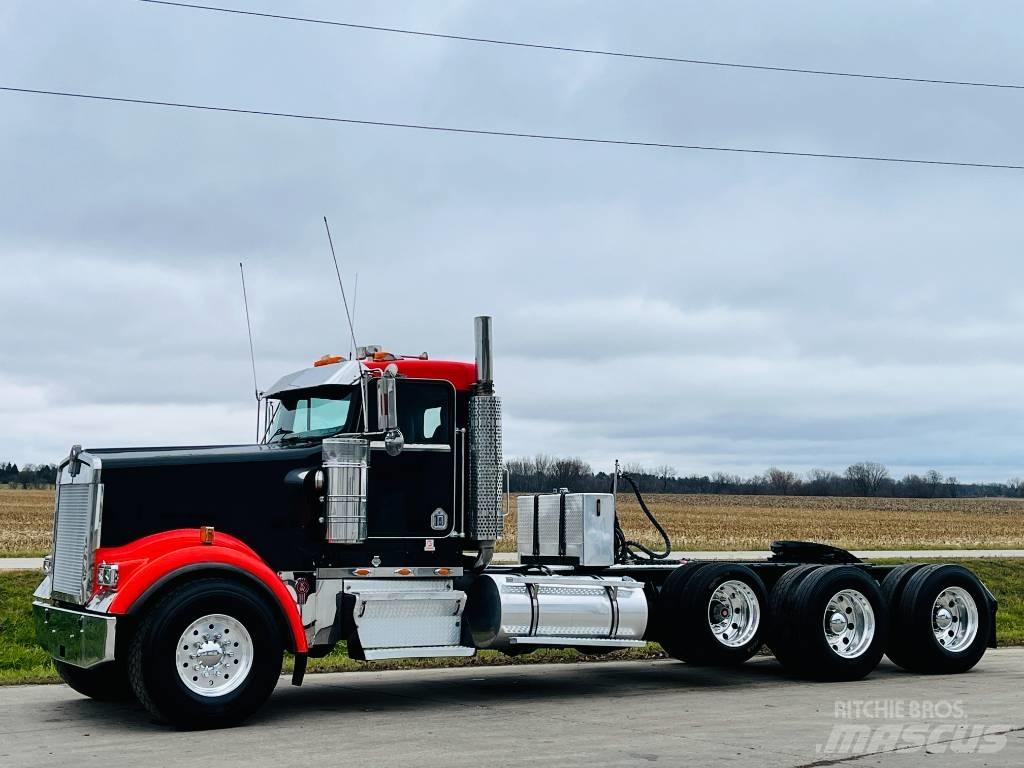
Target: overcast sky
(703, 310)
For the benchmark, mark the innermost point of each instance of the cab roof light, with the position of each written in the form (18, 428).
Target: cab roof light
(328, 360)
(382, 355)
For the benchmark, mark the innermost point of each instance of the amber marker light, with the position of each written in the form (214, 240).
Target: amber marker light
(328, 360)
(361, 572)
(443, 571)
(403, 572)
(206, 534)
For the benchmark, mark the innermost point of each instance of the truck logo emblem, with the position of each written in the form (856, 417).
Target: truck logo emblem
(439, 519)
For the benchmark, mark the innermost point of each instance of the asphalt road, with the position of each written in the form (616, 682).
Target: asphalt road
(562, 716)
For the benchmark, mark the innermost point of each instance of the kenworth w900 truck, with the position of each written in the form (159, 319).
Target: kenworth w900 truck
(182, 575)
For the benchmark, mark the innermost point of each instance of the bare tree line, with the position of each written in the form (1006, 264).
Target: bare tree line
(865, 478)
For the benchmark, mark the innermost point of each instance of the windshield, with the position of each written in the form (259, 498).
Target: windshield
(309, 416)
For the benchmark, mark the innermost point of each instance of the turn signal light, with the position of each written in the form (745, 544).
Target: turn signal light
(328, 360)
(206, 534)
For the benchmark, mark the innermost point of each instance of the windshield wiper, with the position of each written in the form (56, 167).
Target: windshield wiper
(279, 431)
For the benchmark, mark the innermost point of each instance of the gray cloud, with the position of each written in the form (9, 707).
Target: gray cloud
(709, 311)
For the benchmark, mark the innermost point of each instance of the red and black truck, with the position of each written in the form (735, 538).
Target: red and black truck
(368, 513)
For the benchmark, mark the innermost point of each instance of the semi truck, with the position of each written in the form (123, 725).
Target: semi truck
(368, 512)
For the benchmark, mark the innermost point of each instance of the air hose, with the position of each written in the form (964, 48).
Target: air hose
(627, 551)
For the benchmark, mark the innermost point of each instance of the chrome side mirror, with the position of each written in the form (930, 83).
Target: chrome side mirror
(387, 412)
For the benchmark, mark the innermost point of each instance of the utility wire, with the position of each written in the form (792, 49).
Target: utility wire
(588, 51)
(506, 134)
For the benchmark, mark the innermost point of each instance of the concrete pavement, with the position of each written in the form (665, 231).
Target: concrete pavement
(21, 563)
(563, 716)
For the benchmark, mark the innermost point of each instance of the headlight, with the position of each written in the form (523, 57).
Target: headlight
(106, 576)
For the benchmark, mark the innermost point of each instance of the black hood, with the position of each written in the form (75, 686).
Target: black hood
(262, 494)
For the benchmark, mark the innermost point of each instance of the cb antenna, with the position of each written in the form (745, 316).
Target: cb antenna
(351, 328)
(341, 284)
(252, 350)
(355, 299)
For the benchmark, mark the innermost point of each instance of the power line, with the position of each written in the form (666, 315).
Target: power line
(588, 51)
(505, 134)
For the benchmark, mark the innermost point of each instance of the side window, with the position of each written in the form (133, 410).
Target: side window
(425, 411)
(431, 423)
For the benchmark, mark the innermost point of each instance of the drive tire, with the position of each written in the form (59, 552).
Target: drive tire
(892, 590)
(780, 614)
(915, 621)
(665, 616)
(720, 613)
(154, 656)
(104, 682)
(847, 595)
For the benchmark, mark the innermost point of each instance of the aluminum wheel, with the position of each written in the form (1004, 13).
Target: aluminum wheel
(734, 613)
(849, 623)
(955, 619)
(214, 655)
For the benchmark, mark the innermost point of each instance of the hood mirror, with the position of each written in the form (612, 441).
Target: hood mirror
(387, 411)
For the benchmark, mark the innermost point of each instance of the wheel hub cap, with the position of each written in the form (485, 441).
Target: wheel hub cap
(214, 655)
(837, 623)
(849, 623)
(955, 619)
(734, 613)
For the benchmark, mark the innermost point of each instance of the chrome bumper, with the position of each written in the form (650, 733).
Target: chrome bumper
(76, 637)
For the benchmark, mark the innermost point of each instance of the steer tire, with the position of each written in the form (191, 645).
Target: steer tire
(693, 638)
(154, 657)
(892, 590)
(104, 682)
(915, 621)
(826, 592)
(781, 630)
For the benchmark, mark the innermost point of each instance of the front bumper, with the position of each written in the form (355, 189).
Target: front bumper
(76, 637)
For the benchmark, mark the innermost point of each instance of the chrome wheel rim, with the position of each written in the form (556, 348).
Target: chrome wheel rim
(734, 613)
(214, 655)
(955, 619)
(849, 623)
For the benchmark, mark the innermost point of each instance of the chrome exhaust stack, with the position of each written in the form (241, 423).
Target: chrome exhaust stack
(484, 356)
(486, 466)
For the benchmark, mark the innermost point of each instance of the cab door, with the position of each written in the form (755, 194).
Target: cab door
(412, 495)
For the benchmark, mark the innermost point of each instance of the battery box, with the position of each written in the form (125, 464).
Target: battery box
(566, 528)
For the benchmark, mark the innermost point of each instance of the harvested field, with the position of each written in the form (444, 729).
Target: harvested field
(707, 522)
(26, 519)
(723, 522)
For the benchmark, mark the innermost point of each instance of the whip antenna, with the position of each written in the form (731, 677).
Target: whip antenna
(252, 350)
(344, 300)
(355, 299)
(351, 328)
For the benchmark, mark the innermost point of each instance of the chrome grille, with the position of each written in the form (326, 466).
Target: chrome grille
(72, 540)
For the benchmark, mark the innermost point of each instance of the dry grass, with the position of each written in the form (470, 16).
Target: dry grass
(706, 522)
(723, 522)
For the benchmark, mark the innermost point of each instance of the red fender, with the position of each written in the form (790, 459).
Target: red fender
(147, 561)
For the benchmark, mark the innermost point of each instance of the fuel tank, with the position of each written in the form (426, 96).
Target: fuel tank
(504, 611)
